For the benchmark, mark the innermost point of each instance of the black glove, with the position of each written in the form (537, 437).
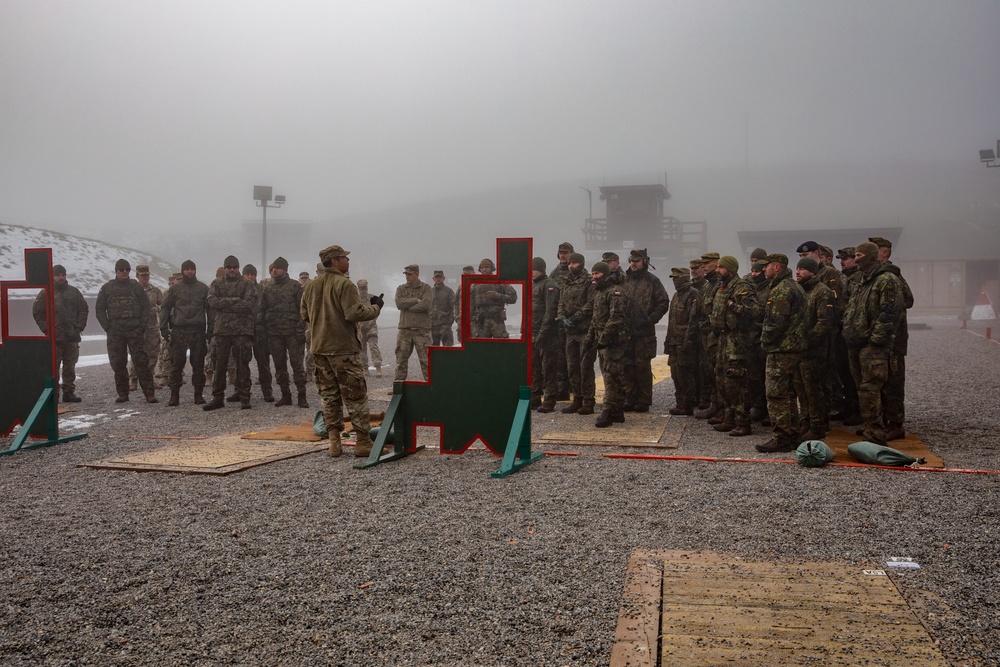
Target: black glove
(378, 300)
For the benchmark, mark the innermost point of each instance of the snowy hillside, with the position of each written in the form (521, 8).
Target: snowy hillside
(89, 264)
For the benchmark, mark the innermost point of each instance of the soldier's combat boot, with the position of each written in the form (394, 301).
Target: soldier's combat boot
(711, 411)
(245, 404)
(604, 420)
(364, 446)
(717, 419)
(573, 407)
(618, 416)
(723, 427)
(335, 448)
(214, 404)
(378, 372)
(175, 396)
(199, 398)
(773, 445)
(895, 432)
(70, 397)
(628, 407)
(587, 409)
(122, 398)
(151, 398)
(286, 398)
(741, 430)
(268, 394)
(233, 398)
(677, 412)
(133, 384)
(303, 403)
(536, 402)
(545, 407)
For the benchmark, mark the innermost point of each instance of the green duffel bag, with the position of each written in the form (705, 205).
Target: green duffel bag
(813, 454)
(319, 424)
(869, 452)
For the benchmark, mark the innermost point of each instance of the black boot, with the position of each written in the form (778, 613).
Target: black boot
(286, 398)
(214, 404)
(175, 396)
(573, 407)
(70, 397)
(303, 403)
(605, 419)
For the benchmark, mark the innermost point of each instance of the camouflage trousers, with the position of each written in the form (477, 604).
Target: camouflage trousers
(813, 398)
(67, 355)
(183, 341)
(441, 335)
(562, 363)
(637, 372)
(122, 344)
(580, 367)
(709, 354)
(847, 401)
(684, 373)
(779, 386)
(262, 355)
(240, 348)
(340, 380)
(489, 325)
(894, 394)
(735, 391)
(152, 338)
(369, 341)
(287, 349)
(408, 340)
(612, 361)
(310, 361)
(870, 368)
(756, 362)
(544, 368)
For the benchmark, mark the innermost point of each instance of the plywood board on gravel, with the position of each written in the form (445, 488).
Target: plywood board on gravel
(661, 371)
(215, 456)
(702, 608)
(639, 430)
(839, 438)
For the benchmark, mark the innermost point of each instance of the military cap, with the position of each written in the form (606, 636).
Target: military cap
(868, 249)
(608, 256)
(695, 263)
(176, 276)
(249, 269)
(777, 257)
(729, 263)
(142, 269)
(758, 253)
(638, 253)
(759, 265)
(468, 268)
(58, 270)
(412, 268)
(487, 262)
(709, 257)
(846, 253)
(319, 267)
(601, 267)
(231, 261)
(332, 252)
(438, 272)
(680, 272)
(826, 251)
(538, 264)
(187, 264)
(577, 257)
(280, 263)
(809, 264)
(303, 274)
(565, 246)
(123, 265)
(880, 242)
(808, 246)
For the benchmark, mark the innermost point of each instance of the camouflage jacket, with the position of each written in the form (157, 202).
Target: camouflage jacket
(186, 307)
(280, 303)
(71, 312)
(901, 342)
(708, 290)
(155, 296)
(414, 305)
(442, 305)
(682, 328)
(561, 275)
(819, 317)
(331, 307)
(647, 300)
(544, 307)
(234, 306)
(576, 302)
(784, 316)
(734, 314)
(874, 309)
(835, 282)
(487, 301)
(608, 327)
(122, 306)
(368, 327)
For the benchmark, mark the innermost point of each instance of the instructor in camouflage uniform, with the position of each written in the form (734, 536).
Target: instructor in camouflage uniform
(123, 312)
(648, 303)
(233, 301)
(155, 296)
(413, 299)
(71, 311)
(281, 325)
(185, 321)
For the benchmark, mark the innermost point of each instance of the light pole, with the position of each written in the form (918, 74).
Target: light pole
(262, 195)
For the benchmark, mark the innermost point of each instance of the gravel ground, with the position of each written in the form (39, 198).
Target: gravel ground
(429, 561)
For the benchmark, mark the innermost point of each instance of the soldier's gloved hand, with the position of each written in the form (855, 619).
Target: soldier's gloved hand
(378, 300)
(494, 296)
(566, 322)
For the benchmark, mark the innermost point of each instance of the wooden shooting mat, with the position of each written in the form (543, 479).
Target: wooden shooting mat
(661, 371)
(698, 608)
(639, 430)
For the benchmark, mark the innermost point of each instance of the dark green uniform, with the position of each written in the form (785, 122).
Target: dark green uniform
(681, 344)
(123, 311)
(233, 302)
(784, 338)
(71, 312)
(544, 340)
(648, 303)
(734, 311)
(814, 370)
(575, 312)
(185, 321)
(609, 334)
(280, 321)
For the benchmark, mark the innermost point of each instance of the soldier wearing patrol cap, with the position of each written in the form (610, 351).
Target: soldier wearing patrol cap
(233, 302)
(560, 274)
(614, 263)
(608, 333)
(574, 315)
(895, 387)
(648, 302)
(682, 342)
(280, 323)
(152, 332)
(71, 312)
(122, 310)
(544, 337)
(442, 311)
(487, 308)
(709, 339)
(368, 330)
(466, 271)
(814, 369)
(413, 299)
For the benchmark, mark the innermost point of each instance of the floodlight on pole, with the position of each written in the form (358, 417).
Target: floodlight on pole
(262, 195)
(989, 156)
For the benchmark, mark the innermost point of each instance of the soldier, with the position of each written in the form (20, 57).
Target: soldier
(164, 365)
(871, 321)
(895, 387)
(681, 342)
(784, 338)
(574, 314)
(609, 334)
(152, 333)
(758, 357)
(304, 278)
(233, 301)
(850, 411)
(310, 364)
(709, 340)
(332, 307)
(648, 303)
(614, 263)
(261, 351)
(185, 321)
(280, 322)
(466, 270)
(442, 311)
(756, 255)
(698, 282)
(123, 312)
(210, 355)
(560, 274)
(815, 367)
(71, 311)
(413, 299)
(488, 305)
(368, 330)
(544, 338)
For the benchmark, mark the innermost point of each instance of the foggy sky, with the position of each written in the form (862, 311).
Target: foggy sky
(159, 114)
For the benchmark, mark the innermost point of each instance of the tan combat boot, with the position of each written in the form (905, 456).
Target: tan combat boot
(335, 449)
(364, 446)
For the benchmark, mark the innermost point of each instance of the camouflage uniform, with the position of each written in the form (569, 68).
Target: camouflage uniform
(849, 408)
(895, 387)
(871, 320)
(71, 312)
(609, 334)
(261, 348)
(648, 302)
(442, 314)
(184, 323)
(709, 343)
(414, 304)
(544, 340)
(734, 310)
(283, 329)
(123, 311)
(151, 334)
(487, 307)
(574, 314)
(814, 370)
(233, 302)
(758, 360)
(368, 333)
(681, 343)
(784, 338)
(560, 275)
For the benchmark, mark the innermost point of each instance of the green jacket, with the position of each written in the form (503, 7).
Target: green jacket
(122, 305)
(648, 301)
(682, 325)
(608, 327)
(784, 315)
(71, 312)
(819, 317)
(874, 309)
(186, 307)
(414, 305)
(734, 314)
(234, 306)
(332, 308)
(544, 306)
(280, 301)
(576, 302)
